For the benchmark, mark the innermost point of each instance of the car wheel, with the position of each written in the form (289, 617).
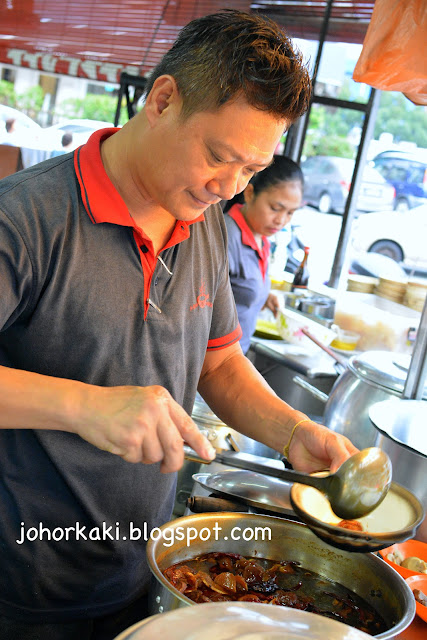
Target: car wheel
(325, 203)
(402, 205)
(388, 248)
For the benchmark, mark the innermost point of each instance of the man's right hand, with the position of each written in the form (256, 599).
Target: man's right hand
(140, 424)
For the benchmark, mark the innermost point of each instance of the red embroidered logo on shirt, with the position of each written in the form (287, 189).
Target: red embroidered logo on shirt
(202, 299)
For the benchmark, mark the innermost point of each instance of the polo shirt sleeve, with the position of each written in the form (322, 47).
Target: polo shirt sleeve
(16, 273)
(225, 328)
(234, 237)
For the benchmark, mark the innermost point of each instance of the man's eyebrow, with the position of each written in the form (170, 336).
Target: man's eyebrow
(222, 146)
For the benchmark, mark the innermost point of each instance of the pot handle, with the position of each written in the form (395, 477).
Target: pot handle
(323, 397)
(200, 504)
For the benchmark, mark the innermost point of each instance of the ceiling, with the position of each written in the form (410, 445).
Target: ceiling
(303, 18)
(98, 39)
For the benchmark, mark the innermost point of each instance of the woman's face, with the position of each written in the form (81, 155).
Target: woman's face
(272, 209)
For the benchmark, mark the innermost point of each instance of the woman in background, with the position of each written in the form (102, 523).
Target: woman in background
(269, 202)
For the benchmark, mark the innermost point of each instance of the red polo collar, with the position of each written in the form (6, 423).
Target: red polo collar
(100, 198)
(104, 204)
(248, 237)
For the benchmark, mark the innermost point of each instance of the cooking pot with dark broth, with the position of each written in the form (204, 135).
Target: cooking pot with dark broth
(216, 577)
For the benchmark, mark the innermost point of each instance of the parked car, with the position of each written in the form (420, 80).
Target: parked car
(81, 130)
(26, 129)
(399, 235)
(327, 183)
(407, 172)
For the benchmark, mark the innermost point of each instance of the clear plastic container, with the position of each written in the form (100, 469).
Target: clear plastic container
(381, 324)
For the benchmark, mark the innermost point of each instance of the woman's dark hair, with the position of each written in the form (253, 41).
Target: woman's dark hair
(229, 54)
(281, 170)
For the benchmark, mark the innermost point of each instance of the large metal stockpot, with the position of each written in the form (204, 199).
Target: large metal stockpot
(370, 377)
(402, 430)
(366, 574)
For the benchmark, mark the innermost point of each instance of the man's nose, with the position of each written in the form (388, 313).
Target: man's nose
(226, 186)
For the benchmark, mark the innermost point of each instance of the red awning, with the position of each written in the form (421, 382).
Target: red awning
(95, 39)
(98, 39)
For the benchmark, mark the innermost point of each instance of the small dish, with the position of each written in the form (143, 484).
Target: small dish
(396, 519)
(419, 581)
(410, 548)
(346, 340)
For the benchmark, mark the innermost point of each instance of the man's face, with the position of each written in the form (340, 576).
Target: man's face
(208, 157)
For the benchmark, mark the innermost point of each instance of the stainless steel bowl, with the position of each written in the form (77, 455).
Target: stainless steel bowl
(365, 574)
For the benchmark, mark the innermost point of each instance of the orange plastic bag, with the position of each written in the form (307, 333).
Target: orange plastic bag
(393, 56)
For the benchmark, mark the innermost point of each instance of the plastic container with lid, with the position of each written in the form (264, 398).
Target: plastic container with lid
(381, 323)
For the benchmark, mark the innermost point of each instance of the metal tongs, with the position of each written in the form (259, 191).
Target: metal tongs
(357, 488)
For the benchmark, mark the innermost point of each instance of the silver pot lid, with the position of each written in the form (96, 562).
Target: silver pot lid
(243, 621)
(202, 414)
(383, 368)
(404, 421)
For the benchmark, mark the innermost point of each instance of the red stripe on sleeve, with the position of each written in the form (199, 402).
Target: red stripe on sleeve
(225, 341)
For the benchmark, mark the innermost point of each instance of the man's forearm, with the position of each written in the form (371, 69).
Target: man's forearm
(240, 396)
(33, 401)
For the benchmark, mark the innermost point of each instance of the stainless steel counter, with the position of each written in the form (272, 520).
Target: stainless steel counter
(279, 362)
(291, 356)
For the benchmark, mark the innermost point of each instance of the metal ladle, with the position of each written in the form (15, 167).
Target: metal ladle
(357, 488)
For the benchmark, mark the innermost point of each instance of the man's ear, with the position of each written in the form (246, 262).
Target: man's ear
(163, 95)
(248, 193)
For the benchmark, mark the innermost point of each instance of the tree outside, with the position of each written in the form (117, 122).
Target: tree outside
(329, 127)
(92, 107)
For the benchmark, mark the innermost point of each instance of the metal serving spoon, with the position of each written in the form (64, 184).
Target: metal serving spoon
(357, 488)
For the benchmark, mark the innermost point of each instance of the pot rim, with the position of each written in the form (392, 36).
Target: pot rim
(206, 518)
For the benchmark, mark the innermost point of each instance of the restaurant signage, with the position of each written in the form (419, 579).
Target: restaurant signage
(69, 65)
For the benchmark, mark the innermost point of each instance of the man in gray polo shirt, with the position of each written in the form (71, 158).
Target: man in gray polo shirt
(115, 307)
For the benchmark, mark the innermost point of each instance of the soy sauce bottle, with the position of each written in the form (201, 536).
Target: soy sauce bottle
(300, 280)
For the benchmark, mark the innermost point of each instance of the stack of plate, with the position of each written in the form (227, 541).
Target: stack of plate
(362, 284)
(415, 295)
(391, 289)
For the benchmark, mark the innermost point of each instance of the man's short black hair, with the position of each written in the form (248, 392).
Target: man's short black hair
(231, 53)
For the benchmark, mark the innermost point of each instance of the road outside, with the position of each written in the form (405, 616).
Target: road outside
(320, 232)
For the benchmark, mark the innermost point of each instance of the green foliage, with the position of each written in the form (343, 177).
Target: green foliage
(31, 101)
(7, 93)
(400, 117)
(329, 127)
(93, 107)
(327, 145)
(328, 130)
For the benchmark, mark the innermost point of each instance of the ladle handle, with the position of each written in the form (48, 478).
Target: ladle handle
(252, 463)
(342, 361)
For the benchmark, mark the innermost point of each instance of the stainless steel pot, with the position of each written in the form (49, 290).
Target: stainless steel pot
(402, 431)
(370, 377)
(365, 574)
